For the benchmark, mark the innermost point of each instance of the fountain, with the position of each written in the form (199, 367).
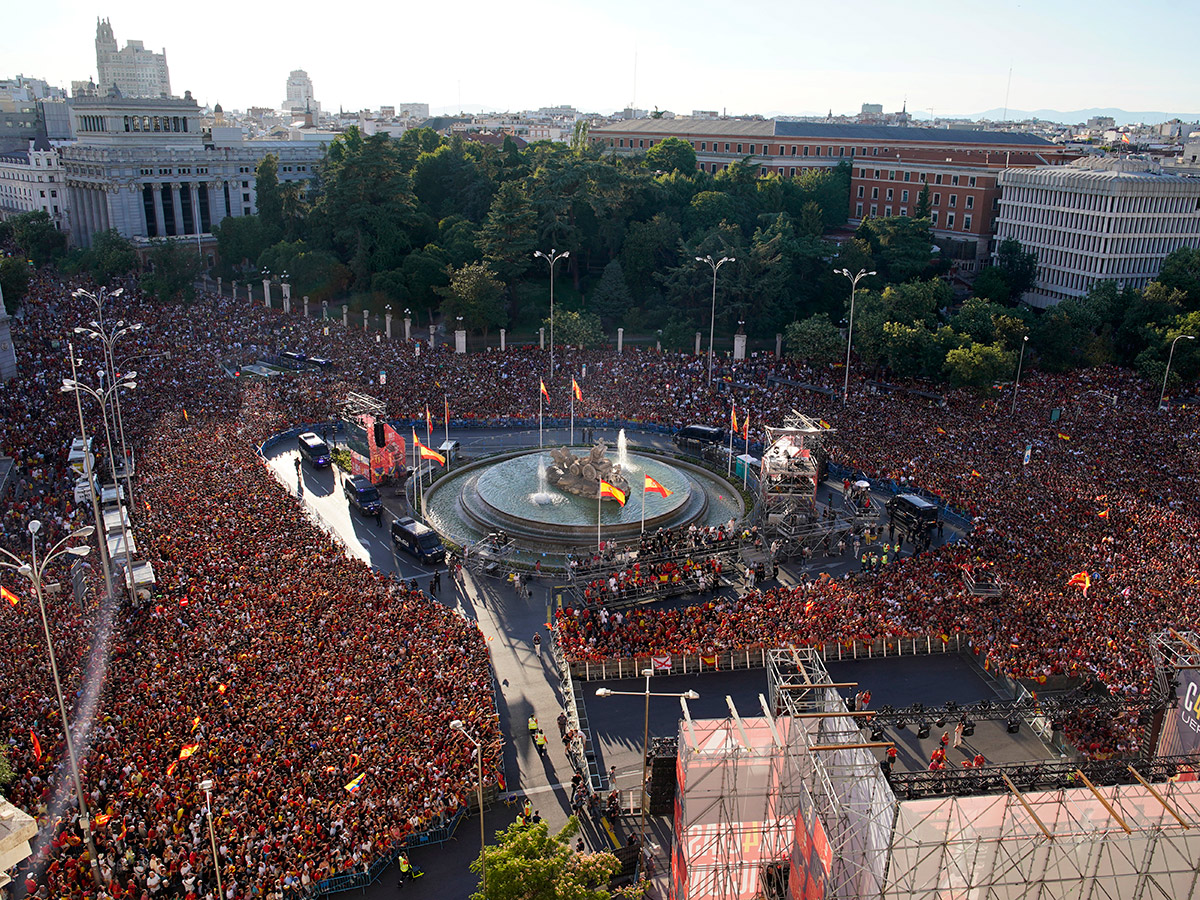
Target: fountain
(581, 475)
(542, 497)
(623, 450)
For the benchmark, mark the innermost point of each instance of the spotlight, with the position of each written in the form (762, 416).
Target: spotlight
(901, 725)
(877, 732)
(1014, 725)
(941, 722)
(968, 728)
(923, 730)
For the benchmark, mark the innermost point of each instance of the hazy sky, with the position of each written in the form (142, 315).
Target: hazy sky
(701, 54)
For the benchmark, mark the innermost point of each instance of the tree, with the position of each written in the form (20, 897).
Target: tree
(672, 155)
(241, 240)
(923, 205)
(529, 863)
(679, 334)
(611, 297)
(978, 365)
(990, 284)
(902, 247)
(268, 197)
(815, 339)
(109, 256)
(477, 295)
(1181, 271)
(576, 329)
(1018, 266)
(916, 301)
(37, 238)
(509, 234)
(174, 267)
(14, 281)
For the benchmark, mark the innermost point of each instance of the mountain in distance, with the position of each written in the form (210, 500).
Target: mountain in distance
(1076, 116)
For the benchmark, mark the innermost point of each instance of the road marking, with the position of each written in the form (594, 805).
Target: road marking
(612, 835)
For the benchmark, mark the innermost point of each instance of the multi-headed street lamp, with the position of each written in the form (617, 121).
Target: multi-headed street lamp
(862, 273)
(712, 322)
(551, 258)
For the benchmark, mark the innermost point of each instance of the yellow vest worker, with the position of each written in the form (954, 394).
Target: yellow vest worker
(533, 725)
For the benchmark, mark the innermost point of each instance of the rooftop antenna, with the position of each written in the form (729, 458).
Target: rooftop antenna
(633, 102)
(1006, 91)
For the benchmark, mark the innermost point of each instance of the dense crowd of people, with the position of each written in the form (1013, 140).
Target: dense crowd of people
(294, 670)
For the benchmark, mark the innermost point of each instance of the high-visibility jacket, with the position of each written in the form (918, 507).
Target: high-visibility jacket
(533, 724)
(540, 738)
(404, 864)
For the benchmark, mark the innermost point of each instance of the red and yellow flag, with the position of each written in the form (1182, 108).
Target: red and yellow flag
(1081, 579)
(607, 490)
(1065, 437)
(428, 418)
(9, 596)
(941, 430)
(37, 746)
(653, 487)
(102, 819)
(733, 419)
(188, 750)
(425, 452)
(976, 474)
(823, 423)
(545, 393)
(1103, 514)
(746, 427)
(578, 392)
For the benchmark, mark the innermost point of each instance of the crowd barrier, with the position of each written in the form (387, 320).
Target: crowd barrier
(757, 657)
(952, 516)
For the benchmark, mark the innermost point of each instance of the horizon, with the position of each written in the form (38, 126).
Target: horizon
(667, 58)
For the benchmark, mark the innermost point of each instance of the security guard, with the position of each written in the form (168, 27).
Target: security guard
(527, 809)
(883, 559)
(540, 740)
(408, 872)
(533, 725)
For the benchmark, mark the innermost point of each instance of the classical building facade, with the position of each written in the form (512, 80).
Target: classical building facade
(145, 168)
(133, 71)
(31, 180)
(1097, 219)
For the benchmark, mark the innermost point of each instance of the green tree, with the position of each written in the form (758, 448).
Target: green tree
(611, 298)
(815, 339)
(902, 247)
(649, 248)
(990, 284)
(979, 365)
(14, 281)
(173, 269)
(923, 205)
(476, 294)
(109, 257)
(425, 272)
(910, 349)
(576, 329)
(1181, 271)
(241, 240)
(679, 334)
(672, 155)
(268, 197)
(1019, 267)
(37, 238)
(529, 863)
(509, 233)
(916, 301)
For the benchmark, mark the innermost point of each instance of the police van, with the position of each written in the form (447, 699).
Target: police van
(913, 515)
(315, 450)
(696, 437)
(419, 540)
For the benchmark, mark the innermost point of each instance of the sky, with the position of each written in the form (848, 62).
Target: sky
(602, 55)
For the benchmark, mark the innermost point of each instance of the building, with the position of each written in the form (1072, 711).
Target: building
(1098, 218)
(145, 168)
(412, 111)
(300, 97)
(17, 828)
(888, 165)
(133, 71)
(32, 180)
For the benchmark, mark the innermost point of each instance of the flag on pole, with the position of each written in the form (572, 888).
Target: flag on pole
(356, 783)
(661, 663)
(1124, 138)
(746, 427)
(733, 419)
(607, 490)
(9, 596)
(575, 388)
(37, 746)
(188, 750)
(823, 423)
(428, 453)
(1081, 579)
(653, 487)
(545, 393)
(428, 418)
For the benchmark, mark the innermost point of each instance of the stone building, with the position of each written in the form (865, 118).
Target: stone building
(134, 71)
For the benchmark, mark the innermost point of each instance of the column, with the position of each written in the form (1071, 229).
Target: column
(542, 338)
(287, 297)
(197, 222)
(778, 345)
(387, 324)
(460, 341)
(739, 346)
(432, 332)
(366, 316)
(219, 285)
(160, 219)
(502, 340)
(407, 329)
(177, 202)
(216, 202)
(345, 316)
(267, 293)
(697, 351)
(306, 306)
(620, 340)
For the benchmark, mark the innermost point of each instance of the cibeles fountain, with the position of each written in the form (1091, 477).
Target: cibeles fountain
(548, 500)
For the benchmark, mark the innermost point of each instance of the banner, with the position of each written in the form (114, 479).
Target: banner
(359, 464)
(661, 663)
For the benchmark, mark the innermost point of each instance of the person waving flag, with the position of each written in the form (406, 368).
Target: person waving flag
(9, 596)
(1081, 579)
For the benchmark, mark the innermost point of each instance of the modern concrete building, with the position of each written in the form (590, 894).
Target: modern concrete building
(32, 180)
(1098, 218)
(145, 168)
(133, 71)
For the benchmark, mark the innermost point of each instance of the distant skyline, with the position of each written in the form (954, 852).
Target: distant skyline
(602, 56)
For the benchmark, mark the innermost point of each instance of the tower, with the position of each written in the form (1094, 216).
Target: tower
(106, 49)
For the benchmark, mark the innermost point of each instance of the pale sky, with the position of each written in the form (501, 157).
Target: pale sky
(699, 54)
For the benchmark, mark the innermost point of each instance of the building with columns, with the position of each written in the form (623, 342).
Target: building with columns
(133, 71)
(145, 167)
(1097, 219)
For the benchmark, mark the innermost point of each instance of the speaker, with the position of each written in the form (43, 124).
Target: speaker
(1014, 726)
(877, 732)
(379, 436)
(968, 728)
(923, 730)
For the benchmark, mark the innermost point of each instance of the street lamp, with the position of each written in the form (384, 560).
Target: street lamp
(712, 322)
(1166, 374)
(687, 695)
(458, 726)
(34, 570)
(207, 785)
(1017, 383)
(862, 273)
(109, 339)
(552, 258)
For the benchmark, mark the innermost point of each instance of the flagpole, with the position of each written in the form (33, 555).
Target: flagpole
(729, 469)
(746, 462)
(599, 500)
(540, 398)
(572, 418)
(447, 402)
(643, 504)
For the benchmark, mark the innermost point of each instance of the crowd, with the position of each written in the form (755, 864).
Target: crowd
(295, 670)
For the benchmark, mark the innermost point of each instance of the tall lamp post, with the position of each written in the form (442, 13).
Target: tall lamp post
(1162, 396)
(109, 339)
(34, 571)
(862, 273)
(207, 785)
(712, 321)
(647, 693)
(552, 258)
(458, 726)
(1017, 383)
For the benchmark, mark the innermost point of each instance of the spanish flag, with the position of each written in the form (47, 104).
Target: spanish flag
(188, 750)
(607, 490)
(746, 427)
(354, 785)
(976, 474)
(578, 392)
(1065, 437)
(428, 418)
(1103, 514)
(823, 423)
(545, 393)
(426, 452)
(733, 418)
(102, 819)
(653, 487)
(941, 430)
(37, 746)
(9, 596)
(1081, 579)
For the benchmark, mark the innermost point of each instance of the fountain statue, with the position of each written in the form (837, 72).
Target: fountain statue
(581, 475)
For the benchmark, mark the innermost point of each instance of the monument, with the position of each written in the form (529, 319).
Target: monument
(581, 475)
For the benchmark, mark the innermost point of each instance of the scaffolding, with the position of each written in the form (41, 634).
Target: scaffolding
(1177, 663)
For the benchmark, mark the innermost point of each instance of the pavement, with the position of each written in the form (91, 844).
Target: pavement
(528, 681)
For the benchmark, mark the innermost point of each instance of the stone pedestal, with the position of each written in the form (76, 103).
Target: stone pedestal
(739, 346)
(287, 297)
(432, 332)
(541, 338)
(697, 343)
(778, 346)
(324, 310)
(345, 315)
(267, 293)
(407, 329)
(501, 340)
(219, 285)
(366, 317)
(306, 306)
(460, 341)
(387, 325)
(8, 355)
(620, 339)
